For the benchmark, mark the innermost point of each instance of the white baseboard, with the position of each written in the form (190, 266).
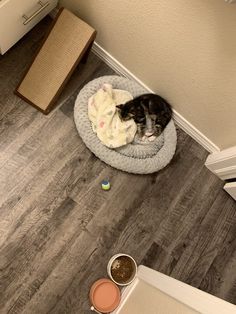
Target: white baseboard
(179, 119)
(223, 164)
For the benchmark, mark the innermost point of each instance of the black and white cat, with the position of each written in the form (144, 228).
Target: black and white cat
(151, 113)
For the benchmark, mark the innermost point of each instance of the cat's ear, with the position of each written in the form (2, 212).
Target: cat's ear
(119, 106)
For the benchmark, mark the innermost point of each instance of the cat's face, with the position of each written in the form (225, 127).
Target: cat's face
(125, 113)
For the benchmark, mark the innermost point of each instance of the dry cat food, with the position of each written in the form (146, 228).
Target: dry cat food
(122, 269)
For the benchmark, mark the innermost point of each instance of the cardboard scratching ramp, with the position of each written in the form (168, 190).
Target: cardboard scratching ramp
(69, 40)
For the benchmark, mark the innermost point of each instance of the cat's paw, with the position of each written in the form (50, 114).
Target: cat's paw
(151, 138)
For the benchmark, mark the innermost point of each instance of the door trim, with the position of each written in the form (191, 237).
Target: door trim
(223, 163)
(231, 189)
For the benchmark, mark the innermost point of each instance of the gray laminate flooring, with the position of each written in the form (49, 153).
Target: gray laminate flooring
(58, 229)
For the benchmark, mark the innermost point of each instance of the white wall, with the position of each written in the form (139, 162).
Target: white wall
(183, 50)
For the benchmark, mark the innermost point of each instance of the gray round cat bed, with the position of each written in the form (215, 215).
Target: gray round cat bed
(134, 158)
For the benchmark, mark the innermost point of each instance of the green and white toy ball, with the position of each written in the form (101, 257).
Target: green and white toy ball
(106, 185)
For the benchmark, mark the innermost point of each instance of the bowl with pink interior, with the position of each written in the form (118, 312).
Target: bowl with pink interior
(122, 269)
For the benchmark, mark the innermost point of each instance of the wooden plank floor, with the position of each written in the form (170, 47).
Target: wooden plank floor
(58, 229)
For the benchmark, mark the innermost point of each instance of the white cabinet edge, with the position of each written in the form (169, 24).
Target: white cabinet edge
(188, 295)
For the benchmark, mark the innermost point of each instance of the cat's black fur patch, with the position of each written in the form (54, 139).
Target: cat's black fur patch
(144, 106)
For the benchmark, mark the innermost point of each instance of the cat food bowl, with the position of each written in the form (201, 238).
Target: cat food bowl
(122, 269)
(104, 295)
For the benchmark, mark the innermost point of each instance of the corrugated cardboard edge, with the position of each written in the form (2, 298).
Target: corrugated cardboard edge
(53, 101)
